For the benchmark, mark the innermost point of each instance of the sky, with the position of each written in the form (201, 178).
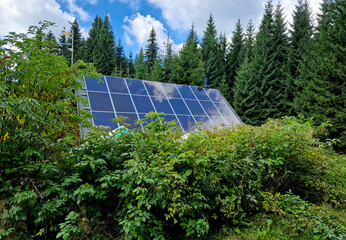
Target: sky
(132, 20)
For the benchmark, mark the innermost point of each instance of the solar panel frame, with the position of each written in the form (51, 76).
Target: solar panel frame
(180, 102)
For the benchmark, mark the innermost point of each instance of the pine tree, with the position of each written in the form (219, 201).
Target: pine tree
(77, 41)
(300, 43)
(120, 68)
(130, 67)
(265, 74)
(322, 74)
(189, 64)
(169, 68)
(100, 46)
(210, 56)
(246, 94)
(249, 41)
(157, 72)
(140, 66)
(234, 57)
(107, 63)
(151, 50)
(93, 50)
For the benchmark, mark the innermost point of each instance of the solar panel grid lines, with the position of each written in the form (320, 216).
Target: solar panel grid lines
(110, 97)
(134, 98)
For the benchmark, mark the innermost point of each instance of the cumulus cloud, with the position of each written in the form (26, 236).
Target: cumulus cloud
(137, 29)
(134, 4)
(180, 14)
(18, 15)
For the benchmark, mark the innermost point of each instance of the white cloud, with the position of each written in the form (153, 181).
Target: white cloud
(137, 29)
(75, 9)
(18, 15)
(180, 14)
(134, 4)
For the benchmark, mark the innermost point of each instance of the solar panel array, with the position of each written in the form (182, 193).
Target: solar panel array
(134, 98)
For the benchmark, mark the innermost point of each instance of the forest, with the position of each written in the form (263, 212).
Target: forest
(280, 175)
(276, 69)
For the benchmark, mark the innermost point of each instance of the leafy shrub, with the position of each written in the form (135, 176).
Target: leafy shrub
(146, 184)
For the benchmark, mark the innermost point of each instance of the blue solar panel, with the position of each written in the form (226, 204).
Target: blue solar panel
(136, 87)
(200, 93)
(104, 119)
(116, 85)
(170, 90)
(133, 98)
(186, 92)
(143, 104)
(100, 101)
(122, 103)
(195, 107)
(179, 106)
(162, 105)
(210, 108)
(94, 84)
(154, 89)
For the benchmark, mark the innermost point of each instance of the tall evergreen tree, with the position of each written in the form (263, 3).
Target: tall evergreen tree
(77, 41)
(266, 72)
(234, 57)
(107, 61)
(169, 68)
(210, 53)
(130, 66)
(321, 81)
(120, 68)
(100, 46)
(93, 44)
(151, 50)
(157, 71)
(300, 43)
(189, 64)
(249, 41)
(141, 66)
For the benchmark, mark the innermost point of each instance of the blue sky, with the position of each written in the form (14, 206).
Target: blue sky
(132, 20)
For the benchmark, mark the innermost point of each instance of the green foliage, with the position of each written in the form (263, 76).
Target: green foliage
(293, 218)
(189, 64)
(151, 51)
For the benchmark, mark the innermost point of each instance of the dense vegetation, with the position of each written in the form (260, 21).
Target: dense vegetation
(276, 71)
(277, 180)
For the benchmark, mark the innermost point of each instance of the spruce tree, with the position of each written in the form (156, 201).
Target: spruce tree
(169, 67)
(321, 81)
(249, 41)
(157, 71)
(130, 66)
(151, 50)
(234, 57)
(77, 41)
(141, 66)
(120, 68)
(265, 73)
(100, 46)
(300, 43)
(107, 63)
(189, 64)
(93, 50)
(210, 53)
